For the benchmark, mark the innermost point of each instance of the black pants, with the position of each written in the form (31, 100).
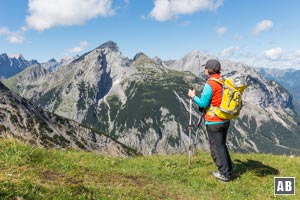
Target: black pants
(217, 134)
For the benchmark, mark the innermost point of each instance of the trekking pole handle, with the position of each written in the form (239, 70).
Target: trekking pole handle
(190, 121)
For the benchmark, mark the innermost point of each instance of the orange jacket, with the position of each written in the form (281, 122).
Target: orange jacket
(216, 97)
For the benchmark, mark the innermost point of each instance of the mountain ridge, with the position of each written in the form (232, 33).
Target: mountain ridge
(143, 102)
(10, 66)
(22, 120)
(288, 78)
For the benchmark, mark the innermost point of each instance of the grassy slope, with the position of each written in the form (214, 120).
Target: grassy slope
(31, 173)
(11, 82)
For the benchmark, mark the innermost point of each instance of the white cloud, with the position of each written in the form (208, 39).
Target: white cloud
(162, 10)
(4, 31)
(165, 10)
(297, 53)
(13, 37)
(45, 14)
(82, 46)
(294, 58)
(229, 52)
(273, 54)
(221, 30)
(262, 26)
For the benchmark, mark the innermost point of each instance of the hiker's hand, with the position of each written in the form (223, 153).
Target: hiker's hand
(191, 93)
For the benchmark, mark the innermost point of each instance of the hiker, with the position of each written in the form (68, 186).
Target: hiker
(216, 127)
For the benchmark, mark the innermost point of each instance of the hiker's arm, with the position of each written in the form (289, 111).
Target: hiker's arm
(206, 95)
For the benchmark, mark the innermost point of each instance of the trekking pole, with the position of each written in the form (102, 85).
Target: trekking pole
(200, 119)
(190, 129)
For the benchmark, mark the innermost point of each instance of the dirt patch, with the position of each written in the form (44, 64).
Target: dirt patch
(73, 181)
(51, 175)
(136, 180)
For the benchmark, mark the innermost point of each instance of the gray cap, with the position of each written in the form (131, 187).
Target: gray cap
(214, 65)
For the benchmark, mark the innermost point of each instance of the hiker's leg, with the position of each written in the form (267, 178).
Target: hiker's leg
(212, 145)
(217, 136)
(227, 159)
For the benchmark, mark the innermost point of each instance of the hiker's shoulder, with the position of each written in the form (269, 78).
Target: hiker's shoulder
(215, 81)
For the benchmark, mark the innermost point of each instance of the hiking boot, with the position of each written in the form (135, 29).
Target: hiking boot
(219, 176)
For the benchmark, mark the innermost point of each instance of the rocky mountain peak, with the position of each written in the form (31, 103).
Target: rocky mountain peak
(10, 66)
(20, 57)
(143, 61)
(52, 60)
(4, 56)
(139, 56)
(157, 60)
(109, 45)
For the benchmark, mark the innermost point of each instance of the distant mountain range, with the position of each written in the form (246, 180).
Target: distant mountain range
(143, 102)
(22, 120)
(288, 78)
(10, 66)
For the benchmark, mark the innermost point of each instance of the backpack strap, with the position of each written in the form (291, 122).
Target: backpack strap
(218, 80)
(211, 110)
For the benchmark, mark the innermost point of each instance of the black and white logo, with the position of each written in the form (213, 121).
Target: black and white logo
(284, 185)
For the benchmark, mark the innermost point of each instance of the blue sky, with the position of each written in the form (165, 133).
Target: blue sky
(260, 33)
